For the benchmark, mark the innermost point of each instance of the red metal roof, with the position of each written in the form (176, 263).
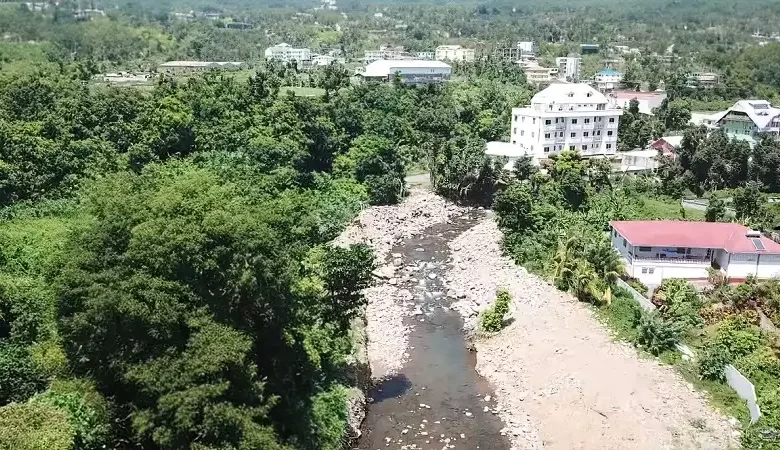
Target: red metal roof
(677, 233)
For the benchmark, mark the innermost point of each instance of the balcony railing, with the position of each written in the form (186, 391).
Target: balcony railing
(705, 261)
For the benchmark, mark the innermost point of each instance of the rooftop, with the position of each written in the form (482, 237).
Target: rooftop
(386, 67)
(569, 93)
(675, 233)
(759, 111)
(200, 63)
(610, 72)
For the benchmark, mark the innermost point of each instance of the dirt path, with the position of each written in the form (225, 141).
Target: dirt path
(556, 367)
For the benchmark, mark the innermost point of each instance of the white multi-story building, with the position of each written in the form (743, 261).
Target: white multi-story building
(528, 47)
(323, 60)
(454, 53)
(608, 80)
(654, 250)
(407, 70)
(566, 116)
(536, 74)
(569, 68)
(386, 52)
(287, 53)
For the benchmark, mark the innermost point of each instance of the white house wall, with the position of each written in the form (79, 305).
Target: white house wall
(660, 271)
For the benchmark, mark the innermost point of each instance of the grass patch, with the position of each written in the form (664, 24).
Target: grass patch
(621, 316)
(302, 91)
(654, 208)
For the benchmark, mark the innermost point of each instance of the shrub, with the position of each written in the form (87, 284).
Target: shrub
(623, 314)
(86, 410)
(761, 366)
(34, 426)
(712, 360)
(20, 378)
(329, 418)
(492, 319)
(656, 335)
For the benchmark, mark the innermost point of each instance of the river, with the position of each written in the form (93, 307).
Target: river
(437, 400)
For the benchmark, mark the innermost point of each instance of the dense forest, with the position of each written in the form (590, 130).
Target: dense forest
(166, 275)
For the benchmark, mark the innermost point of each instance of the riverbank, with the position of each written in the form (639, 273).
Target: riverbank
(561, 379)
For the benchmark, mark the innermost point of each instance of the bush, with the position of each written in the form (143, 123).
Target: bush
(329, 418)
(34, 426)
(20, 378)
(86, 410)
(492, 319)
(712, 360)
(656, 335)
(623, 314)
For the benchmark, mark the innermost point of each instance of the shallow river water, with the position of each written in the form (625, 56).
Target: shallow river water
(437, 400)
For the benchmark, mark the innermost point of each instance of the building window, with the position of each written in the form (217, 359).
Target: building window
(546, 149)
(522, 119)
(614, 232)
(571, 147)
(611, 120)
(651, 270)
(584, 147)
(547, 122)
(532, 148)
(514, 130)
(533, 134)
(574, 135)
(681, 250)
(644, 269)
(644, 249)
(515, 117)
(609, 146)
(547, 135)
(533, 121)
(624, 242)
(514, 142)
(598, 132)
(561, 134)
(522, 132)
(587, 120)
(609, 133)
(585, 134)
(573, 121)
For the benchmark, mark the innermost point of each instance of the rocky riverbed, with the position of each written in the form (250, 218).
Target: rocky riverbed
(561, 380)
(557, 378)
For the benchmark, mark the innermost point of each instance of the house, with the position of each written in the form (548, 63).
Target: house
(569, 68)
(654, 250)
(703, 80)
(589, 49)
(507, 151)
(239, 26)
(454, 53)
(748, 118)
(608, 80)
(522, 50)
(647, 100)
(174, 67)
(413, 71)
(566, 116)
(667, 145)
(323, 60)
(425, 55)
(538, 75)
(639, 161)
(287, 53)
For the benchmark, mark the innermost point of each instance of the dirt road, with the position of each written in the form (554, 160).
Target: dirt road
(557, 367)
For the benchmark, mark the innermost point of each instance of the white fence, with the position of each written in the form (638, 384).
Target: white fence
(741, 385)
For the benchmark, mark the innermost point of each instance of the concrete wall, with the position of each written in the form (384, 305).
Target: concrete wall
(742, 265)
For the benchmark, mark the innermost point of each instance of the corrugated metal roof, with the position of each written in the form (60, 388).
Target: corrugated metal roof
(676, 233)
